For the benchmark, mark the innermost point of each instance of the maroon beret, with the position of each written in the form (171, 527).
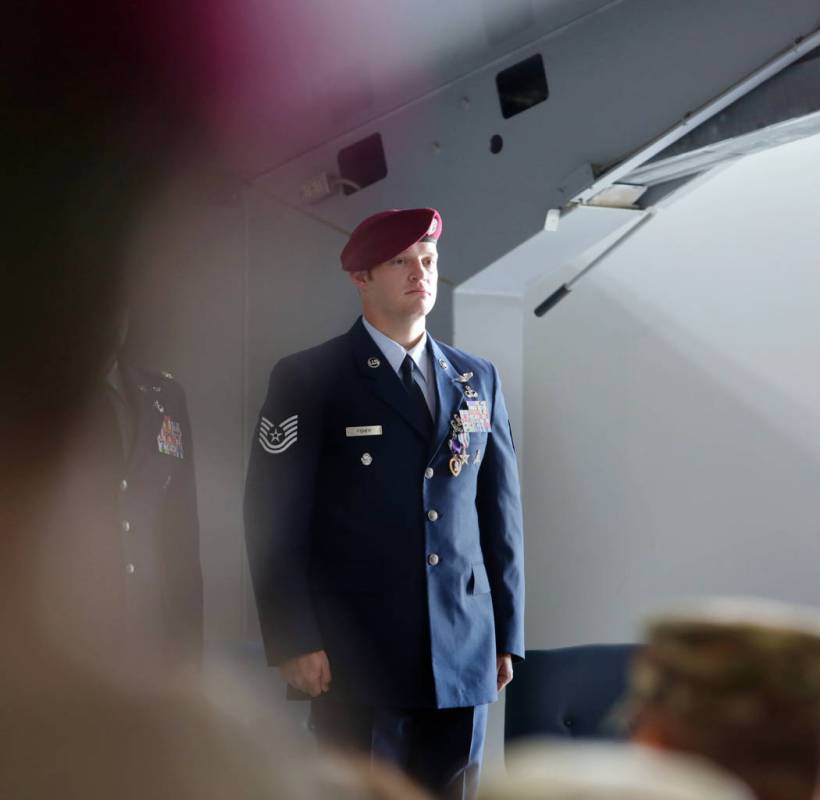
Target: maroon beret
(387, 234)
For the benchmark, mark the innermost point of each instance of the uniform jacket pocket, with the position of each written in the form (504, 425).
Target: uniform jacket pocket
(479, 583)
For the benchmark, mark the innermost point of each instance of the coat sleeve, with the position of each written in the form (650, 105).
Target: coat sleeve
(502, 535)
(183, 588)
(279, 500)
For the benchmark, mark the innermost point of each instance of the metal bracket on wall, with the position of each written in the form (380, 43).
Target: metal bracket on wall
(579, 179)
(691, 120)
(562, 291)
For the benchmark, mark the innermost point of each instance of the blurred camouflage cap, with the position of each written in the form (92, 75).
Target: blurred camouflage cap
(557, 771)
(737, 662)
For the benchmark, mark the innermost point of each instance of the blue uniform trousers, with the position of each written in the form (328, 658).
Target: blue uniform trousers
(441, 748)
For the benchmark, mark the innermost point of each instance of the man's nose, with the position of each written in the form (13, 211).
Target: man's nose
(416, 269)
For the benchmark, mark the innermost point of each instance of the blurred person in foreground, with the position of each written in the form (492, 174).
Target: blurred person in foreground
(103, 102)
(737, 682)
(558, 771)
(139, 441)
(103, 107)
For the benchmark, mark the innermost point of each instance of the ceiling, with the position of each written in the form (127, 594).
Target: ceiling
(305, 72)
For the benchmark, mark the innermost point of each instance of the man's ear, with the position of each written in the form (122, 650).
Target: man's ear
(359, 278)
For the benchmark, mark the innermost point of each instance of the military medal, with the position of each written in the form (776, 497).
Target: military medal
(464, 377)
(458, 443)
(476, 417)
(470, 392)
(169, 440)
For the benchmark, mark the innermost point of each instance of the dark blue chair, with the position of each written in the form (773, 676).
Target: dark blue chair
(568, 692)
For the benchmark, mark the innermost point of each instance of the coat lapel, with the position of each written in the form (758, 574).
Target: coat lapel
(373, 366)
(450, 395)
(140, 395)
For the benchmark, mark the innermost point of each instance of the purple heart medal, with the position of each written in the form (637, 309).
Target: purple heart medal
(459, 442)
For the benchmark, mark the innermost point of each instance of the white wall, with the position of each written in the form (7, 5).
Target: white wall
(672, 411)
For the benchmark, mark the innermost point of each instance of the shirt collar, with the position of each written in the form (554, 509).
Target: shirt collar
(395, 353)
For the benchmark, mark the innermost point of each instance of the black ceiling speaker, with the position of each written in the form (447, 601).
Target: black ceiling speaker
(363, 163)
(522, 86)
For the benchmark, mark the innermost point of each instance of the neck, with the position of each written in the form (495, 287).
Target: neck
(406, 332)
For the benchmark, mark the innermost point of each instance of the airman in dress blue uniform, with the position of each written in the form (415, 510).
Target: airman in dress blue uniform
(147, 489)
(383, 522)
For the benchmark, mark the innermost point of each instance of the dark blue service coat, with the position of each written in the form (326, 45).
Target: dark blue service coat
(362, 542)
(158, 522)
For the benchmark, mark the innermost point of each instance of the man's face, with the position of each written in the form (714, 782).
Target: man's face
(403, 287)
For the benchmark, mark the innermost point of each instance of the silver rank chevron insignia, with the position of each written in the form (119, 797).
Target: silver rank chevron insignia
(276, 439)
(169, 440)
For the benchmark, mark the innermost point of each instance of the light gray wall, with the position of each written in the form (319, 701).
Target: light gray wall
(673, 411)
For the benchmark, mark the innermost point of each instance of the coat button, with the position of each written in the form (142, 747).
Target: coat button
(126, 525)
(123, 484)
(130, 569)
(432, 515)
(428, 473)
(432, 559)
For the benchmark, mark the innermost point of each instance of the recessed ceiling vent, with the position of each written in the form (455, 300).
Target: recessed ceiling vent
(522, 86)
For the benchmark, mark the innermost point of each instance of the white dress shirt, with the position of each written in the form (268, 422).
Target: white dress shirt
(395, 355)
